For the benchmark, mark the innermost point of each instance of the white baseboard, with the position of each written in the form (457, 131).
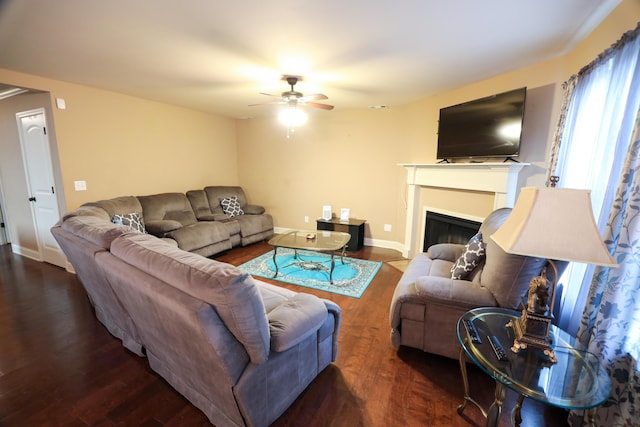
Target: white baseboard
(378, 243)
(387, 244)
(29, 253)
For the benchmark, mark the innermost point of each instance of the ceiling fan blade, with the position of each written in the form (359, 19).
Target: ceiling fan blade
(318, 105)
(314, 97)
(270, 94)
(268, 103)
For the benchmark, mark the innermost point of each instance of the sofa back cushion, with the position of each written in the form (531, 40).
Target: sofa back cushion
(167, 206)
(88, 210)
(230, 291)
(119, 205)
(506, 276)
(200, 205)
(215, 194)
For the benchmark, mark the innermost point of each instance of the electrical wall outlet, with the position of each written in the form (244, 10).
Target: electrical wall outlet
(306, 218)
(387, 227)
(80, 185)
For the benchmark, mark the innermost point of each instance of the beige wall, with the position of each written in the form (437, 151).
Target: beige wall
(347, 158)
(118, 144)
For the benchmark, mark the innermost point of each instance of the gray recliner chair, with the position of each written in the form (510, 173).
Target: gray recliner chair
(427, 302)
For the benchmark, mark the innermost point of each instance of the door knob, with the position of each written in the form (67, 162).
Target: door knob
(32, 199)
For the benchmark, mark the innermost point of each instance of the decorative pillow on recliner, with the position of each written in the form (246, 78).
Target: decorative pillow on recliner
(133, 220)
(231, 206)
(473, 254)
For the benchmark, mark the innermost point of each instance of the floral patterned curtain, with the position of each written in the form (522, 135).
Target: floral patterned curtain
(601, 111)
(567, 88)
(610, 325)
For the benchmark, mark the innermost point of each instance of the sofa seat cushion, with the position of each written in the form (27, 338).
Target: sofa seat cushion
(199, 235)
(458, 293)
(232, 225)
(254, 224)
(230, 291)
(294, 320)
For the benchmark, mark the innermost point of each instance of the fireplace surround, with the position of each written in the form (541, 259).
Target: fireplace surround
(501, 179)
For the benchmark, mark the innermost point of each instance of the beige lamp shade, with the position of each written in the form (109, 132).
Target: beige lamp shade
(554, 223)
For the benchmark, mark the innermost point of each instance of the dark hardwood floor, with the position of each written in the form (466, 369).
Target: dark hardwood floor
(60, 367)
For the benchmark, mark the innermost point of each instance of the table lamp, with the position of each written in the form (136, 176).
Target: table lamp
(556, 224)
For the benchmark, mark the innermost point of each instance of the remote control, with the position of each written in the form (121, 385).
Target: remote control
(473, 332)
(497, 348)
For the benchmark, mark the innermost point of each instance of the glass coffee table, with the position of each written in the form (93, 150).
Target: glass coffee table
(576, 381)
(317, 241)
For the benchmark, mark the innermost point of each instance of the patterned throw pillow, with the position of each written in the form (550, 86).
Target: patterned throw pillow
(133, 220)
(473, 254)
(231, 206)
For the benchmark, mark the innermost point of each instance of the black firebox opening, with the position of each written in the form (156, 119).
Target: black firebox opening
(440, 228)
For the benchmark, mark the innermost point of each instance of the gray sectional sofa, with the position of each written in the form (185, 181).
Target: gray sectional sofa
(239, 349)
(195, 220)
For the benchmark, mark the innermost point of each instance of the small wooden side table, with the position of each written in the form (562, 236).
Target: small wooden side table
(355, 228)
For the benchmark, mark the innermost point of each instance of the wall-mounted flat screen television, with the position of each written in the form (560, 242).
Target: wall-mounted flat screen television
(486, 127)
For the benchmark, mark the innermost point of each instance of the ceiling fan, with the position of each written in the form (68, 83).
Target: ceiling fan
(294, 98)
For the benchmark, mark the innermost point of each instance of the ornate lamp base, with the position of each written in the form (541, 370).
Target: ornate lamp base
(532, 329)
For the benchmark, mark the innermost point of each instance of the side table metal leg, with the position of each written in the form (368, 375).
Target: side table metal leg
(465, 382)
(516, 416)
(496, 407)
(591, 416)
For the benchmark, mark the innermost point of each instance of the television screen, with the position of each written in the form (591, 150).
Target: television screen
(486, 127)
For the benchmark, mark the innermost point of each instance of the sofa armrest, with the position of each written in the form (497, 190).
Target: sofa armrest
(160, 227)
(445, 251)
(253, 210)
(294, 320)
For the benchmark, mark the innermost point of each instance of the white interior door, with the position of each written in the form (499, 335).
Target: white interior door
(40, 182)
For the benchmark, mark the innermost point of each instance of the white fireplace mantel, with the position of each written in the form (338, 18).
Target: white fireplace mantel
(501, 179)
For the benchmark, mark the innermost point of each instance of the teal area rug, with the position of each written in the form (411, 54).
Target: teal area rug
(311, 270)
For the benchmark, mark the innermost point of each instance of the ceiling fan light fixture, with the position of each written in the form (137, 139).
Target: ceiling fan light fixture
(292, 117)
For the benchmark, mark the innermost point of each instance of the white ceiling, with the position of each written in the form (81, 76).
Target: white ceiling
(217, 56)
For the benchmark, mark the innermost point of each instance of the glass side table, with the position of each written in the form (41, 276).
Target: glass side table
(576, 381)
